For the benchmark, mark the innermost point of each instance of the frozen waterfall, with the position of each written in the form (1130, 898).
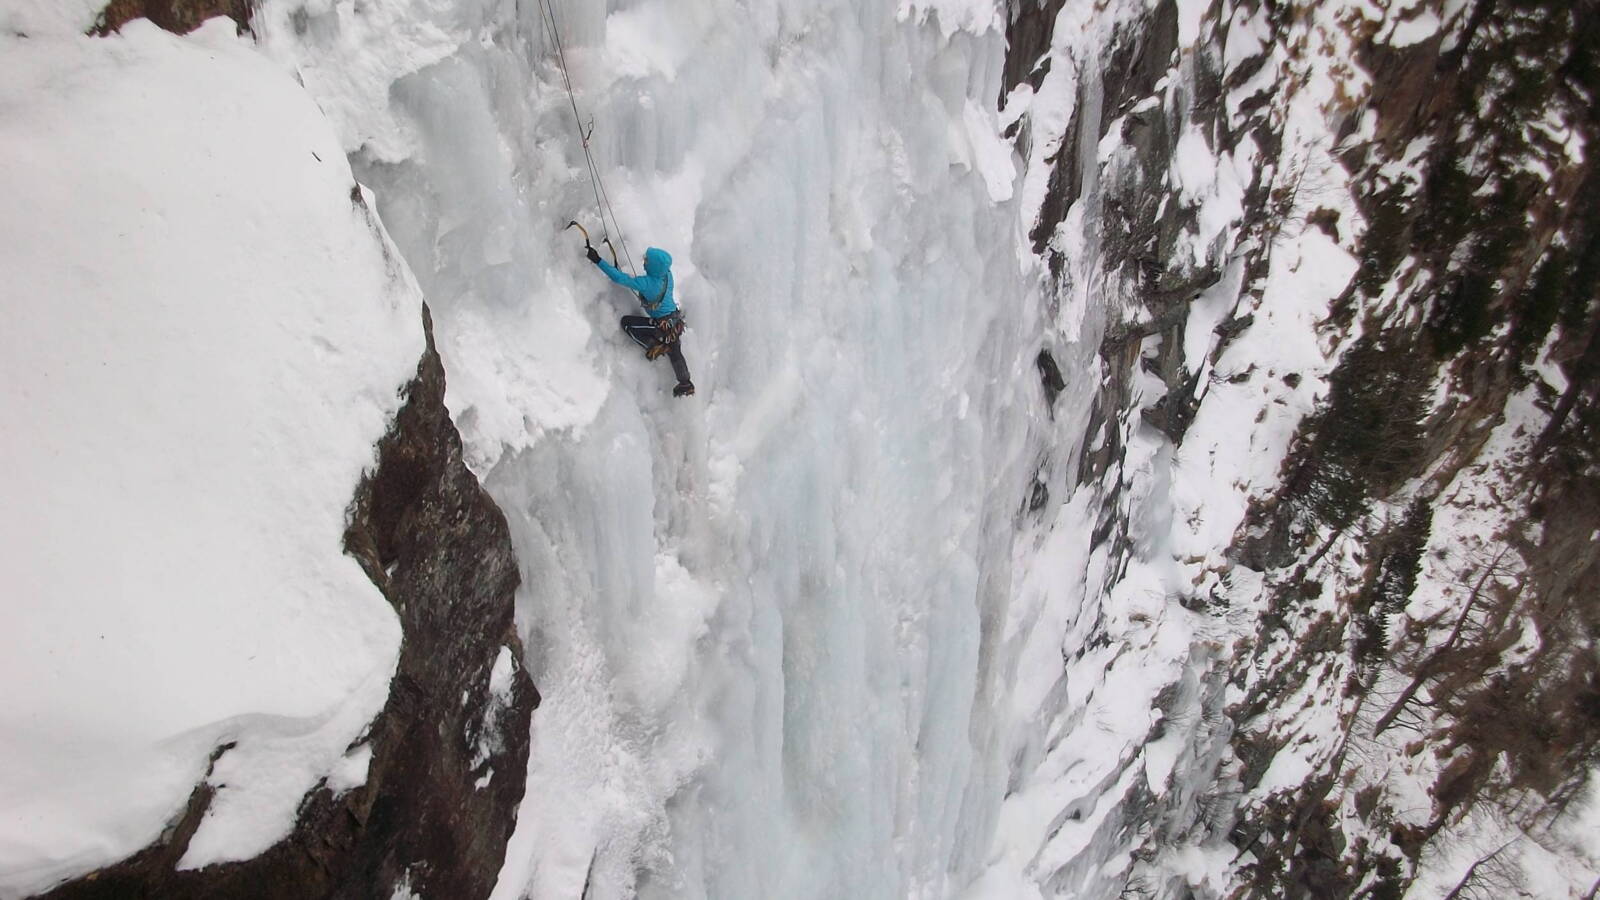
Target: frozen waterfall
(764, 620)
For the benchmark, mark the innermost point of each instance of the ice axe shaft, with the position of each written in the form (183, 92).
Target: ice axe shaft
(588, 243)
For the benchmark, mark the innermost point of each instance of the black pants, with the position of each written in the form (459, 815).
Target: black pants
(644, 332)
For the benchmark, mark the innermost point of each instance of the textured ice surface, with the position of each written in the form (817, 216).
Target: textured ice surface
(756, 617)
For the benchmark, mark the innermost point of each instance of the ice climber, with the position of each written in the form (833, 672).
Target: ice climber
(659, 331)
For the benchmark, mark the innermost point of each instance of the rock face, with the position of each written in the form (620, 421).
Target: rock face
(1475, 297)
(176, 16)
(450, 749)
(1406, 608)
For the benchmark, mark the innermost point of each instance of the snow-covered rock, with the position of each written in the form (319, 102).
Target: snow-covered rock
(208, 334)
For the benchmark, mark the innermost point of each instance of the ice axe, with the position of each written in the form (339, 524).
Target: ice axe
(606, 238)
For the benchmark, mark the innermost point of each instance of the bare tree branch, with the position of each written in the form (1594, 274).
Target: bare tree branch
(1427, 669)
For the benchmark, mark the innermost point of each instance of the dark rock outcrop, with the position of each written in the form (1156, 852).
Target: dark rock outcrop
(1491, 250)
(1476, 298)
(446, 775)
(176, 16)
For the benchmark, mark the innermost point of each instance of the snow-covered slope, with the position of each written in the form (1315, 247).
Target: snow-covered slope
(205, 333)
(1309, 341)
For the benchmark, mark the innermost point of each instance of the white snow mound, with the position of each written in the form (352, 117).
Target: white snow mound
(204, 338)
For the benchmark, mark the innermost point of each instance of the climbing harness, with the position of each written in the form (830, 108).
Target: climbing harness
(669, 329)
(602, 199)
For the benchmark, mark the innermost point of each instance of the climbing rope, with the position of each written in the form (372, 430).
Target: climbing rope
(602, 199)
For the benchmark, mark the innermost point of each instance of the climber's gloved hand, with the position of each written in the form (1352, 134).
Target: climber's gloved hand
(592, 254)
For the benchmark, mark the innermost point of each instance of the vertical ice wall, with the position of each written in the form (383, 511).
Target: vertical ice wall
(757, 616)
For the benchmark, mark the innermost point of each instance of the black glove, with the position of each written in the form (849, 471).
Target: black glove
(592, 254)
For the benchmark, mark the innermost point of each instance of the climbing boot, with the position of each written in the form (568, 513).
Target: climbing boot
(684, 389)
(657, 351)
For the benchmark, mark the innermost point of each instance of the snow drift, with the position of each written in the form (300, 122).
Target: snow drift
(205, 335)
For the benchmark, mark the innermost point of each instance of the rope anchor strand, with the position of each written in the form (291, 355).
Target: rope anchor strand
(602, 199)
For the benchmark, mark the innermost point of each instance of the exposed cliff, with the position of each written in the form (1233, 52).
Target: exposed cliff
(1422, 497)
(176, 16)
(449, 750)
(1390, 668)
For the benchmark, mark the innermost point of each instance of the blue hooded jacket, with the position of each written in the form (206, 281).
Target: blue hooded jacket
(654, 287)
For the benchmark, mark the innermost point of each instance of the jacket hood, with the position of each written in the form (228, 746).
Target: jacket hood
(657, 261)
